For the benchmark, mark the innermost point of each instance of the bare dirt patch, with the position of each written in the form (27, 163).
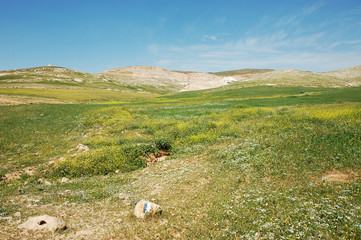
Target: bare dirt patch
(17, 100)
(339, 176)
(174, 184)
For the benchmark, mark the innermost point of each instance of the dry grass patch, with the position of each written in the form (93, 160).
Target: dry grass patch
(339, 176)
(177, 185)
(16, 100)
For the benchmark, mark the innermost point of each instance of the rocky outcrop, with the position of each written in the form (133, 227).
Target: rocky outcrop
(155, 76)
(44, 222)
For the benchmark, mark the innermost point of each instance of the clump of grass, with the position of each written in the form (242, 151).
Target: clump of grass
(105, 160)
(3, 211)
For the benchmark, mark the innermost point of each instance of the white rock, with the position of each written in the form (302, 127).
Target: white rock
(17, 214)
(123, 196)
(64, 180)
(47, 183)
(145, 208)
(82, 147)
(44, 222)
(43, 181)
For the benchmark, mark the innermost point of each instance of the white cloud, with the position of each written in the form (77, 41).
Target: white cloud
(311, 9)
(209, 37)
(275, 51)
(220, 19)
(163, 20)
(153, 48)
(289, 44)
(356, 11)
(296, 19)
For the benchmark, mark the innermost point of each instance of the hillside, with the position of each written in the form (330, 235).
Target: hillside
(165, 80)
(248, 163)
(50, 84)
(291, 77)
(46, 76)
(235, 162)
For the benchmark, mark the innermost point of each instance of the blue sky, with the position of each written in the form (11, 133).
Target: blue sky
(196, 35)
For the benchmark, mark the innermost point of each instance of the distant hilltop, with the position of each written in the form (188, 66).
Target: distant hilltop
(162, 81)
(159, 77)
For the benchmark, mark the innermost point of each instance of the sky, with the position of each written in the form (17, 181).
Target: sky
(189, 35)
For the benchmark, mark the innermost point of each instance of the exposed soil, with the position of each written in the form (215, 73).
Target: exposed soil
(339, 176)
(17, 100)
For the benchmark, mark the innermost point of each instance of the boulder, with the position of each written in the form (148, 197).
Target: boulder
(44, 222)
(145, 208)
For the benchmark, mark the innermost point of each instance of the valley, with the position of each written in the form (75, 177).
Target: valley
(244, 154)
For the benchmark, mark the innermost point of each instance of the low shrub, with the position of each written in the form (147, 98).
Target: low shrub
(105, 160)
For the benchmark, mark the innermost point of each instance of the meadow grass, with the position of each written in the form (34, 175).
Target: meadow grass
(78, 94)
(257, 164)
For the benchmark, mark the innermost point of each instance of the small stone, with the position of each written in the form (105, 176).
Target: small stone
(70, 150)
(82, 148)
(47, 183)
(43, 181)
(44, 222)
(123, 196)
(145, 208)
(67, 192)
(64, 180)
(29, 171)
(17, 214)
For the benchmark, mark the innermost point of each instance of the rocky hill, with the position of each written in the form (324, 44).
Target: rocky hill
(165, 79)
(162, 81)
(291, 77)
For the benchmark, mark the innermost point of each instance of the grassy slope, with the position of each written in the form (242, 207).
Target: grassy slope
(62, 84)
(242, 72)
(82, 95)
(244, 163)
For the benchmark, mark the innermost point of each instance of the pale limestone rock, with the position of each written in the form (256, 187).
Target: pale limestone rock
(123, 196)
(82, 148)
(44, 222)
(64, 180)
(43, 181)
(145, 208)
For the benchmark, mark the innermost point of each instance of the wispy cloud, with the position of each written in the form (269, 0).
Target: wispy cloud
(287, 42)
(356, 11)
(220, 19)
(209, 37)
(312, 8)
(163, 20)
(268, 51)
(297, 18)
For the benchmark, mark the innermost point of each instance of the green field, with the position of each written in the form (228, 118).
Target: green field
(82, 95)
(244, 163)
